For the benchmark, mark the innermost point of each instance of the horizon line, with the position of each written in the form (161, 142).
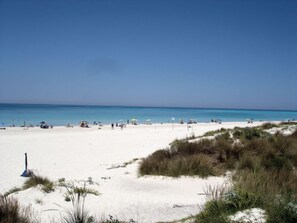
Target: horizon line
(150, 106)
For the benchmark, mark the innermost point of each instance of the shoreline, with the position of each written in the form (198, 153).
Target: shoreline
(143, 124)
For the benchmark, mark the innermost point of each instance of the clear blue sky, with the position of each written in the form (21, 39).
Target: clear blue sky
(228, 54)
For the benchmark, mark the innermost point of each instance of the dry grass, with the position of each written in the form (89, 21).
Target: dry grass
(47, 185)
(12, 212)
(268, 125)
(183, 158)
(213, 157)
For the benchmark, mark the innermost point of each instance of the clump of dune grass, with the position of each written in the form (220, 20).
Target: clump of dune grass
(77, 196)
(12, 212)
(47, 185)
(268, 125)
(249, 133)
(224, 201)
(202, 158)
(73, 189)
(288, 123)
(112, 219)
(184, 158)
(219, 210)
(215, 132)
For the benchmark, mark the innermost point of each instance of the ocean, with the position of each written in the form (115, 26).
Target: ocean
(17, 114)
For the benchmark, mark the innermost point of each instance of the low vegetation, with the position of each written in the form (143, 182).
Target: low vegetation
(12, 191)
(269, 125)
(12, 212)
(215, 132)
(206, 157)
(46, 185)
(264, 168)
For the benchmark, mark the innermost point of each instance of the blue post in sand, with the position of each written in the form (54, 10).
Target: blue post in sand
(25, 173)
(26, 162)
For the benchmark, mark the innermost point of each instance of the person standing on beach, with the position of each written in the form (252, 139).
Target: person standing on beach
(112, 125)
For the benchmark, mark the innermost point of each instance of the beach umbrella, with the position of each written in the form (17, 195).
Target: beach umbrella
(172, 119)
(133, 121)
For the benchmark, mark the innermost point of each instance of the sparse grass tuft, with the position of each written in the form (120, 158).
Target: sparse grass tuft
(77, 195)
(215, 132)
(47, 185)
(12, 191)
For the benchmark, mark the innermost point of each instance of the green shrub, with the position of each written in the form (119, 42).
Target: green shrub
(249, 133)
(218, 210)
(214, 211)
(282, 211)
(224, 136)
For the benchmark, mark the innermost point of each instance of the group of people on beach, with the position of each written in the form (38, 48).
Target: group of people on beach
(118, 125)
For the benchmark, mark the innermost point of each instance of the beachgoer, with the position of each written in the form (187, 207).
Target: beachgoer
(112, 125)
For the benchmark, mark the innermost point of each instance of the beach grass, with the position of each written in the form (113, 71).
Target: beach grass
(12, 212)
(183, 158)
(12, 191)
(215, 132)
(263, 167)
(47, 185)
(268, 125)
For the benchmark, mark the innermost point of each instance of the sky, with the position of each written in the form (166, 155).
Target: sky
(213, 54)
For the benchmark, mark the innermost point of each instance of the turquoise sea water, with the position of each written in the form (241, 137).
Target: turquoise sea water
(63, 114)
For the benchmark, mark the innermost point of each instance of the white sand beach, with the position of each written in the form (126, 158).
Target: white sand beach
(79, 153)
